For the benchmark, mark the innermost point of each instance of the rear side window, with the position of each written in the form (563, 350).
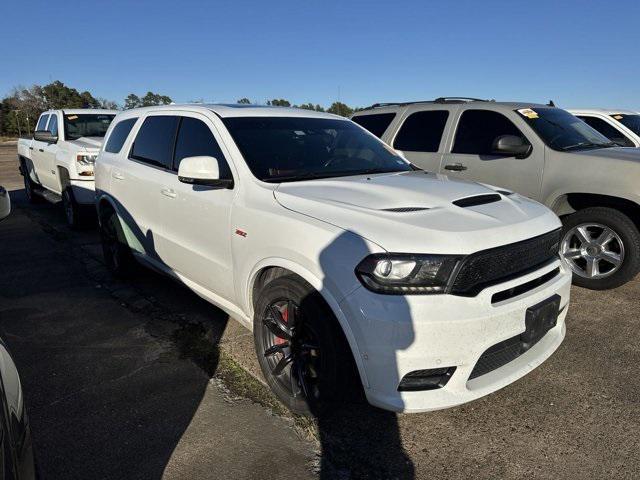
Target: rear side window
(119, 135)
(422, 131)
(155, 140)
(196, 139)
(607, 130)
(53, 125)
(376, 124)
(42, 123)
(478, 129)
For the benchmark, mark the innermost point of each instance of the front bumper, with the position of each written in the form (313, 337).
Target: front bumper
(400, 334)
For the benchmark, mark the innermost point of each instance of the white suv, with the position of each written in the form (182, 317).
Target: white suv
(341, 256)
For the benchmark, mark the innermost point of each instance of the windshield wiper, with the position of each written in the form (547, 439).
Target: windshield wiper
(590, 145)
(320, 175)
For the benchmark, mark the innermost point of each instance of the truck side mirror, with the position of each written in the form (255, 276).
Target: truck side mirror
(45, 136)
(202, 170)
(511, 145)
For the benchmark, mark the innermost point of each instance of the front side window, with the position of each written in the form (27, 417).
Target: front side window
(119, 135)
(478, 129)
(53, 125)
(155, 140)
(422, 131)
(284, 149)
(632, 122)
(78, 125)
(196, 139)
(376, 123)
(562, 131)
(608, 130)
(42, 123)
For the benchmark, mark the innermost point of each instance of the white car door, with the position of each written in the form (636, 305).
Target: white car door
(195, 237)
(471, 156)
(138, 178)
(36, 150)
(47, 156)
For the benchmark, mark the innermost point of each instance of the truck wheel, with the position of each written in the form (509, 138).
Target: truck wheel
(73, 212)
(116, 252)
(301, 349)
(30, 187)
(601, 246)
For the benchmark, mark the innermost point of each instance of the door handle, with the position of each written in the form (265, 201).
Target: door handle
(117, 175)
(30, 148)
(456, 167)
(41, 150)
(169, 192)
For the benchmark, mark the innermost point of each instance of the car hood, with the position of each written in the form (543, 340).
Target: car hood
(413, 211)
(628, 154)
(87, 143)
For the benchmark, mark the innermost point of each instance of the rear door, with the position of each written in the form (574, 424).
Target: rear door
(195, 238)
(421, 136)
(36, 149)
(470, 154)
(48, 157)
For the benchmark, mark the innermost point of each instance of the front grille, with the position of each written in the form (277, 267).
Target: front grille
(500, 264)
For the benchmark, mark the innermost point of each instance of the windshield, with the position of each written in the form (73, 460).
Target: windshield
(562, 131)
(86, 125)
(632, 122)
(283, 149)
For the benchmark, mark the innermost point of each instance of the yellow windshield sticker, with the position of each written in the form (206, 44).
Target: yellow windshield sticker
(527, 112)
(72, 117)
(618, 117)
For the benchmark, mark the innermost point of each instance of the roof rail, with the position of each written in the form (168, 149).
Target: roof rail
(437, 100)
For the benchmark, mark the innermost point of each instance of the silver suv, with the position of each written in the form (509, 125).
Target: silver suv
(539, 151)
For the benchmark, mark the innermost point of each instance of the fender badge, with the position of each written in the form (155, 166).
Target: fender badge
(242, 233)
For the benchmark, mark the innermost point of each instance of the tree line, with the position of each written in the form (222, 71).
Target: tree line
(20, 109)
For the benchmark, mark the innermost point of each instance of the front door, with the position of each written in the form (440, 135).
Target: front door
(195, 237)
(471, 158)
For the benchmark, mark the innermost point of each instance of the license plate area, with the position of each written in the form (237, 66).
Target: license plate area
(539, 319)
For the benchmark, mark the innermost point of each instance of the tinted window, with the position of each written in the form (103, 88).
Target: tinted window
(282, 149)
(607, 130)
(422, 131)
(478, 129)
(86, 125)
(42, 123)
(155, 140)
(632, 122)
(376, 124)
(119, 135)
(53, 125)
(195, 139)
(562, 131)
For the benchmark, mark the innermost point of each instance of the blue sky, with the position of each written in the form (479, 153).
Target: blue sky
(574, 52)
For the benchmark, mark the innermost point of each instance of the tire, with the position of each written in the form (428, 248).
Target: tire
(30, 186)
(117, 254)
(74, 213)
(601, 246)
(314, 350)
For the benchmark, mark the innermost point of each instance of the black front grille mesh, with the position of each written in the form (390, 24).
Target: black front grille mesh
(501, 264)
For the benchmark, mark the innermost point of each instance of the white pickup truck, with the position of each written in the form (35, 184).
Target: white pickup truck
(57, 163)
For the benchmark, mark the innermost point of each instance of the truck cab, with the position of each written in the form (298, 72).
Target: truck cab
(58, 162)
(539, 151)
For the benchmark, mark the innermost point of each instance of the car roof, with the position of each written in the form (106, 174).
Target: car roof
(226, 110)
(605, 111)
(79, 111)
(392, 107)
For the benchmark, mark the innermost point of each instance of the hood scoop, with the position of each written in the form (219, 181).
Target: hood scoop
(477, 200)
(405, 209)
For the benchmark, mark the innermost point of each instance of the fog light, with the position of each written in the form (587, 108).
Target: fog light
(426, 379)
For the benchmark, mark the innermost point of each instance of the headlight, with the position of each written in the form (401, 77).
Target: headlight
(407, 274)
(86, 160)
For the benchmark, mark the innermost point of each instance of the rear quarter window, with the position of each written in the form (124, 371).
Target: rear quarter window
(376, 123)
(119, 135)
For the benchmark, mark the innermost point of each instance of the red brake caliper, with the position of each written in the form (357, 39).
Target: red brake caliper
(284, 311)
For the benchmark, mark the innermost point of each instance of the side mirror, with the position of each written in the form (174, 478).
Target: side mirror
(202, 171)
(5, 204)
(511, 145)
(45, 136)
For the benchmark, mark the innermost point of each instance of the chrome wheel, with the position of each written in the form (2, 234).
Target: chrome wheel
(592, 250)
(292, 353)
